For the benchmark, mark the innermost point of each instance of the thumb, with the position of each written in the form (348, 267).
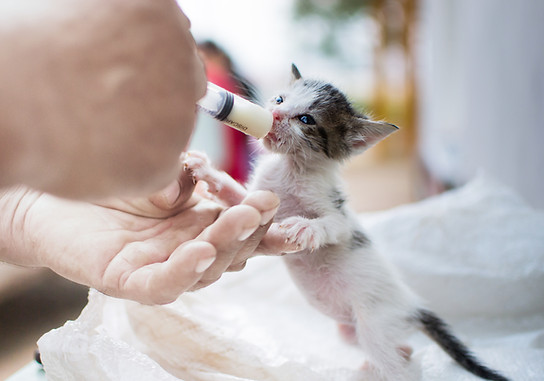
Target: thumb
(177, 193)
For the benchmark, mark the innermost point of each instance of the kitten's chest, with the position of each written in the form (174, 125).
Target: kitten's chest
(300, 195)
(297, 200)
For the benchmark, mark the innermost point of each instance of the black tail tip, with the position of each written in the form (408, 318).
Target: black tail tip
(440, 332)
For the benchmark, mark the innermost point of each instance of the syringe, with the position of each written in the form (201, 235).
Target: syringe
(236, 111)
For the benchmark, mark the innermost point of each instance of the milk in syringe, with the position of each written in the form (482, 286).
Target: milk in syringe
(236, 111)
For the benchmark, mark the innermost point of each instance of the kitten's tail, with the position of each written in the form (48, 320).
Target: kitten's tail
(439, 331)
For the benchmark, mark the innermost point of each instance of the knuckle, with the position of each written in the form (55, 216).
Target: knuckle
(237, 267)
(206, 282)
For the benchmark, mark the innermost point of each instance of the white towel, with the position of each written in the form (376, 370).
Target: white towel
(475, 254)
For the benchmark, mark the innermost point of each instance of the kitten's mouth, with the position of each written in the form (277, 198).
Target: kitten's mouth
(271, 136)
(272, 141)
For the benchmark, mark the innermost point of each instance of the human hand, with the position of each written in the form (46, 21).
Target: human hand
(88, 84)
(146, 249)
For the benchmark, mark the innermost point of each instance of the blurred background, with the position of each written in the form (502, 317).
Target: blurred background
(463, 79)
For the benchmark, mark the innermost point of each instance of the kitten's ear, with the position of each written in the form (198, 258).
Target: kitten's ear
(295, 74)
(367, 133)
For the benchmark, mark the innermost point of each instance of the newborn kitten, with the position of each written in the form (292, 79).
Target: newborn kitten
(337, 269)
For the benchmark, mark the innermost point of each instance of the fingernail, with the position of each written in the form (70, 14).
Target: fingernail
(204, 264)
(268, 215)
(171, 192)
(246, 233)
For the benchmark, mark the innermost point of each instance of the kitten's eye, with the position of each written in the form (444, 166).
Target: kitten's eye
(306, 119)
(279, 99)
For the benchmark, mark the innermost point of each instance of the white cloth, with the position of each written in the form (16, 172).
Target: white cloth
(475, 254)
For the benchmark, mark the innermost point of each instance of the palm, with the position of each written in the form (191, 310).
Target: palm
(122, 251)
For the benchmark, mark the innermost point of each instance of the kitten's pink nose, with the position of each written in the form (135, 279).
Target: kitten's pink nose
(277, 115)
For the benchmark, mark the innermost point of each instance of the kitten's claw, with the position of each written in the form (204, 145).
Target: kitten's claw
(201, 169)
(302, 232)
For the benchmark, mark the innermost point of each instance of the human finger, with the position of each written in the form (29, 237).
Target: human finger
(275, 242)
(267, 203)
(228, 235)
(163, 282)
(176, 194)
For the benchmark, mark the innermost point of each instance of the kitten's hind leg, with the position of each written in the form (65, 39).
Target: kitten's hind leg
(388, 360)
(220, 184)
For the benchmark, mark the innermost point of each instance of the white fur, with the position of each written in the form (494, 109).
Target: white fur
(357, 287)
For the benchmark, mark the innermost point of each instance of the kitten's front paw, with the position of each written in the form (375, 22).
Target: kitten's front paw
(201, 169)
(302, 232)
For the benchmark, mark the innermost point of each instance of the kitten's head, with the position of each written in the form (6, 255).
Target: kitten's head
(314, 119)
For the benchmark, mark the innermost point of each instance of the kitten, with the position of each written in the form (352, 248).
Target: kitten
(336, 268)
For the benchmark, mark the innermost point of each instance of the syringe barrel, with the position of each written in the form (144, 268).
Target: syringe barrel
(236, 111)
